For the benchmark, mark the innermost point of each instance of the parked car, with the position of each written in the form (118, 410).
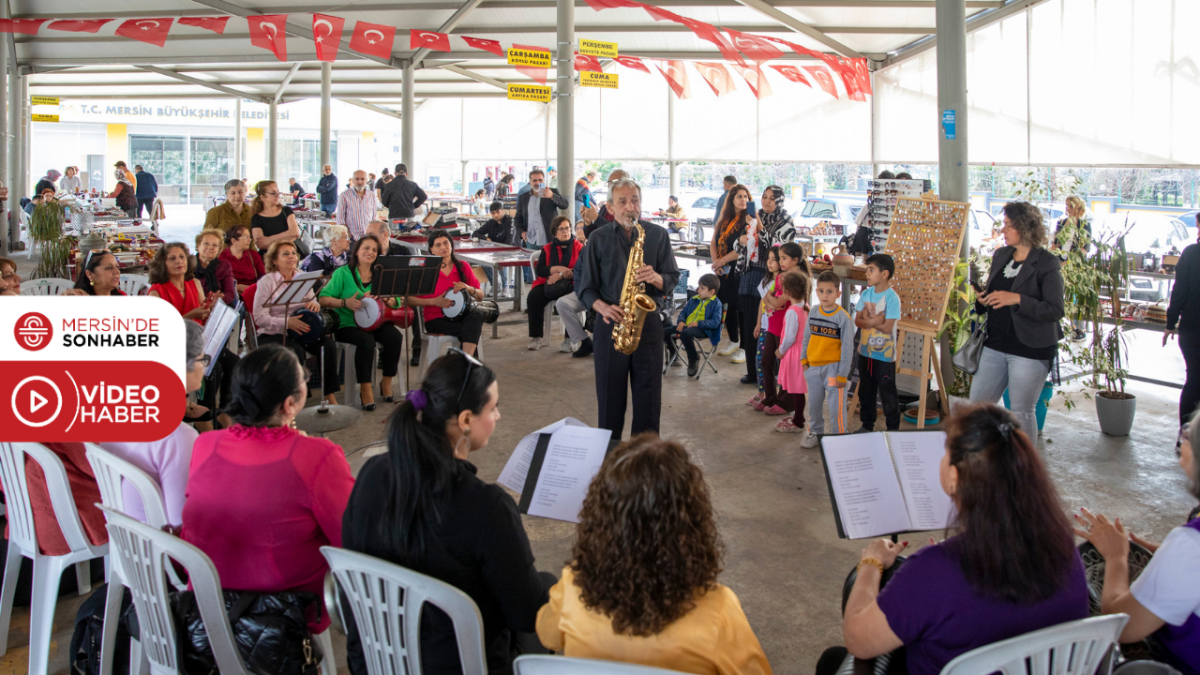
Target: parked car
(1155, 234)
(980, 226)
(835, 211)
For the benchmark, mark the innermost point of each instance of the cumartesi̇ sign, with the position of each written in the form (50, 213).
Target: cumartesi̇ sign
(529, 92)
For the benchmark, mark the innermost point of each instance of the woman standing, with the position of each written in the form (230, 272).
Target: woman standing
(245, 263)
(1183, 316)
(332, 256)
(347, 290)
(453, 275)
(71, 183)
(729, 232)
(101, 275)
(772, 227)
(504, 187)
(1023, 299)
(123, 193)
(272, 221)
(233, 212)
(555, 266)
(215, 275)
(422, 506)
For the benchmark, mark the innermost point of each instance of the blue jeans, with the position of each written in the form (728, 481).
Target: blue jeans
(1022, 377)
(503, 277)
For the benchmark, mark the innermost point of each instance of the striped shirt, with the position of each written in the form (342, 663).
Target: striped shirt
(356, 210)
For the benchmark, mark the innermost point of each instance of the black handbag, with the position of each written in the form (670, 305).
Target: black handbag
(270, 630)
(560, 288)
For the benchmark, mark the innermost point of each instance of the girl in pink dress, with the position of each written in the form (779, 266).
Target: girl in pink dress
(795, 288)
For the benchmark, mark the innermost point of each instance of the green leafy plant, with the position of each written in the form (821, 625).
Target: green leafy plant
(46, 229)
(960, 320)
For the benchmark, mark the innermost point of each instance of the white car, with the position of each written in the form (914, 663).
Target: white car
(1149, 233)
(835, 211)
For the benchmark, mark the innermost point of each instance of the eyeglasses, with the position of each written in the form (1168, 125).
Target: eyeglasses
(471, 363)
(204, 360)
(272, 194)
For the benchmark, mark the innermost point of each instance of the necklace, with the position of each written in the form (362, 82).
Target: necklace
(1010, 271)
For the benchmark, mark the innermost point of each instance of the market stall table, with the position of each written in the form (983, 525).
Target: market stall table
(495, 259)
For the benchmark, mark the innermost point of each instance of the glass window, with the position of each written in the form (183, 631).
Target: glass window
(815, 208)
(211, 158)
(166, 158)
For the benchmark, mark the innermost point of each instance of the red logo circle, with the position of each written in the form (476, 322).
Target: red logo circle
(33, 331)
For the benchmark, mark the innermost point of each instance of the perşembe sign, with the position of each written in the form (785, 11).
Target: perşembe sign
(45, 118)
(528, 57)
(43, 100)
(529, 92)
(607, 50)
(589, 78)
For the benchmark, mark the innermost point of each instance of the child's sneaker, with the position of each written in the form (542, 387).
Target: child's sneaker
(775, 410)
(754, 399)
(788, 427)
(758, 405)
(810, 441)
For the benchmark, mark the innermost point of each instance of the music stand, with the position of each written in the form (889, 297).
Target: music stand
(402, 276)
(292, 292)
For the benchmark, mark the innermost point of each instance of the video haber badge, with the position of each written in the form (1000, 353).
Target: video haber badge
(91, 369)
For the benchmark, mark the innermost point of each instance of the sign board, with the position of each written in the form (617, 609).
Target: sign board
(45, 118)
(43, 100)
(949, 124)
(606, 50)
(529, 92)
(589, 78)
(528, 57)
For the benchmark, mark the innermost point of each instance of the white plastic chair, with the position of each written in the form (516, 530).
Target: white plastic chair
(26, 234)
(46, 286)
(1072, 648)
(23, 542)
(544, 664)
(134, 284)
(432, 346)
(386, 600)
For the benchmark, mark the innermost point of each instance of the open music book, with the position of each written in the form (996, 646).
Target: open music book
(884, 483)
(553, 467)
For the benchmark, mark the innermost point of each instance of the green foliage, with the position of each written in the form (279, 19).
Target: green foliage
(46, 228)
(960, 321)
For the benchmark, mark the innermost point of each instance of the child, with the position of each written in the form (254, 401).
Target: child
(827, 355)
(877, 311)
(765, 287)
(791, 258)
(699, 318)
(796, 289)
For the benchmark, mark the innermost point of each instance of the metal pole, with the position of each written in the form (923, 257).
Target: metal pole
(671, 142)
(565, 93)
(407, 110)
(326, 95)
(236, 171)
(466, 189)
(876, 169)
(26, 135)
(952, 101)
(11, 232)
(272, 142)
(15, 190)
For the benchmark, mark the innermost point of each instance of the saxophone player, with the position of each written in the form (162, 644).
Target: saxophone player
(601, 277)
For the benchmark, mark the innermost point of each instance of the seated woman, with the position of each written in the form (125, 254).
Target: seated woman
(100, 276)
(245, 263)
(215, 275)
(347, 290)
(641, 584)
(272, 221)
(1012, 567)
(303, 337)
(332, 256)
(453, 276)
(422, 506)
(675, 212)
(167, 460)
(1165, 598)
(234, 211)
(263, 498)
(556, 265)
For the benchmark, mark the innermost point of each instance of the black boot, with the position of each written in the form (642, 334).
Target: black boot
(585, 349)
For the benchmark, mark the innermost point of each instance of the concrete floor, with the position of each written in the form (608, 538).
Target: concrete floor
(783, 558)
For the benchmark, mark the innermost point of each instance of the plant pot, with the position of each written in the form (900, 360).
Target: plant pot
(1115, 414)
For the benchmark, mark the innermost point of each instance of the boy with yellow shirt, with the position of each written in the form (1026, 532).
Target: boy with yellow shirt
(827, 354)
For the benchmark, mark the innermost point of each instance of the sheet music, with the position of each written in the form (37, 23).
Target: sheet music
(918, 456)
(220, 322)
(865, 487)
(572, 460)
(517, 468)
(294, 293)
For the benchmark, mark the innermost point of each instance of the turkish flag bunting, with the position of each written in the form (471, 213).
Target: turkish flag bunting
(632, 62)
(429, 39)
(79, 25)
(862, 74)
(214, 23)
(660, 14)
(823, 78)
(676, 77)
(850, 82)
(754, 46)
(709, 32)
(611, 4)
(327, 36)
(373, 39)
(716, 76)
(150, 31)
(538, 74)
(492, 46)
(266, 31)
(585, 62)
(758, 83)
(792, 73)
(22, 26)
(802, 51)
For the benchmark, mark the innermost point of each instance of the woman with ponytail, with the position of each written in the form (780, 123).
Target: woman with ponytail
(422, 506)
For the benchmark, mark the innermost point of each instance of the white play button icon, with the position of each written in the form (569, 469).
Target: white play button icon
(42, 392)
(36, 401)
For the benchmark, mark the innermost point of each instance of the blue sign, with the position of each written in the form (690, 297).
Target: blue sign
(949, 124)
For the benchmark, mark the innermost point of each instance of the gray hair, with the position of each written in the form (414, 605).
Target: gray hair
(194, 345)
(229, 185)
(622, 183)
(336, 232)
(1193, 439)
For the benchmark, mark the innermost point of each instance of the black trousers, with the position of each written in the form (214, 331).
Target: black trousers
(323, 348)
(728, 295)
(467, 331)
(148, 204)
(536, 301)
(387, 336)
(877, 377)
(221, 379)
(688, 337)
(1189, 344)
(617, 374)
(748, 317)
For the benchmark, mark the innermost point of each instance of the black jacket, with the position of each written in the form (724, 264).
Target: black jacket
(548, 207)
(1183, 313)
(502, 232)
(402, 197)
(1036, 320)
(600, 270)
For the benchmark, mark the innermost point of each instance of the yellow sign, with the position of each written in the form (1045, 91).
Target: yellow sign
(43, 100)
(607, 50)
(589, 78)
(45, 118)
(528, 57)
(529, 92)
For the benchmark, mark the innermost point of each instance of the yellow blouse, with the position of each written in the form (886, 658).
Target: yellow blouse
(713, 639)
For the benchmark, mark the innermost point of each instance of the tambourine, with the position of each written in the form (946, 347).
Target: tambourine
(375, 312)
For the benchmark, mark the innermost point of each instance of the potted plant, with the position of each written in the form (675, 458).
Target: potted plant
(957, 326)
(46, 229)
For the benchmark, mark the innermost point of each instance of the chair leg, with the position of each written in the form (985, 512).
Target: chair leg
(138, 663)
(112, 615)
(46, 573)
(83, 577)
(12, 569)
(350, 382)
(328, 667)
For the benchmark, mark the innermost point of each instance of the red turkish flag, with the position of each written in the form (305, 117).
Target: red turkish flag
(79, 25)
(492, 46)
(22, 26)
(716, 76)
(610, 4)
(632, 62)
(538, 74)
(430, 39)
(850, 82)
(214, 23)
(585, 62)
(266, 31)
(327, 35)
(823, 78)
(754, 46)
(792, 73)
(660, 14)
(754, 78)
(709, 32)
(150, 31)
(373, 39)
(863, 74)
(802, 51)
(676, 77)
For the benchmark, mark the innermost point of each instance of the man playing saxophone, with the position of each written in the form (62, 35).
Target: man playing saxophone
(601, 275)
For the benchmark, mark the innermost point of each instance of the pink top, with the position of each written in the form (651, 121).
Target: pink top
(167, 461)
(273, 320)
(261, 502)
(444, 283)
(775, 319)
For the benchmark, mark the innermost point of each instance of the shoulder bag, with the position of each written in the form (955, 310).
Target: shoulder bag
(966, 358)
(270, 630)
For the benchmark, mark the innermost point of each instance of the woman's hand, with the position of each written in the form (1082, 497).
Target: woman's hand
(195, 410)
(198, 314)
(313, 306)
(884, 550)
(1145, 543)
(458, 286)
(1109, 539)
(297, 324)
(998, 299)
(353, 303)
(1167, 334)
(441, 301)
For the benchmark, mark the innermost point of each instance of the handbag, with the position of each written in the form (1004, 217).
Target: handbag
(966, 358)
(270, 630)
(559, 289)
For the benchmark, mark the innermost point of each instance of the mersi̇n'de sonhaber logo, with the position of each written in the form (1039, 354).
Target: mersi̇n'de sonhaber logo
(33, 331)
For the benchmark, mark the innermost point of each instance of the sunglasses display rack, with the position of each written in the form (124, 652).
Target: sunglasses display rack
(924, 242)
(882, 197)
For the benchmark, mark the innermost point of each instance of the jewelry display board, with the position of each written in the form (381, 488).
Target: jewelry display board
(924, 241)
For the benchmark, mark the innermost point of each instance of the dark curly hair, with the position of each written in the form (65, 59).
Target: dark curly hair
(647, 544)
(158, 264)
(1027, 219)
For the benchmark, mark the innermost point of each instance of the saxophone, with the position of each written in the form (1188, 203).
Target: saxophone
(634, 302)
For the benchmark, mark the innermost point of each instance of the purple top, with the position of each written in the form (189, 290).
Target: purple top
(1168, 589)
(168, 462)
(938, 616)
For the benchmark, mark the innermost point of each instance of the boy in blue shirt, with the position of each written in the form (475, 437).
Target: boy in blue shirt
(877, 311)
(700, 318)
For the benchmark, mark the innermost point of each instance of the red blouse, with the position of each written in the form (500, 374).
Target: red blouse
(189, 300)
(84, 490)
(247, 270)
(444, 283)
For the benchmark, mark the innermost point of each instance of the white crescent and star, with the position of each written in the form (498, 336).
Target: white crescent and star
(147, 21)
(267, 25)
(368, 36)
(322, 22)
(428, 37)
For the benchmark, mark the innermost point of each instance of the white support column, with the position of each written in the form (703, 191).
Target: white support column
(565, 94)
(671, 142)
(236, 170)
(15, 189)
(10, 228)
(273, 141)
(26, 135)
(326, 95)
(875, 128)
(953, 171)
(466, 189)
(407, 110)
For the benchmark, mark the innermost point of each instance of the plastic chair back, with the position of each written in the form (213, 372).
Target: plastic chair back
(544, 664)
(46, 286)
(111, 471)
(386, 600)
(1072, 648)
(135, 284)
(145, 554)
(22, 532)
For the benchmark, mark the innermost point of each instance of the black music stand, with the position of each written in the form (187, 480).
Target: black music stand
(292, 292)
(402, 276)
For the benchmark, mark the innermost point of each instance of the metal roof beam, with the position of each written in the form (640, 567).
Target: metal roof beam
(370, 106)
(449, 25)
(366, 96)
(475, 76)
(797, 25)
(294, 83)
(215, 86)
(283, 85)
(974, 23)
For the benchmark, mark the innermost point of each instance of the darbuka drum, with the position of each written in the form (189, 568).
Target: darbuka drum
(374, 312)
(463, 302)
(331, 320)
